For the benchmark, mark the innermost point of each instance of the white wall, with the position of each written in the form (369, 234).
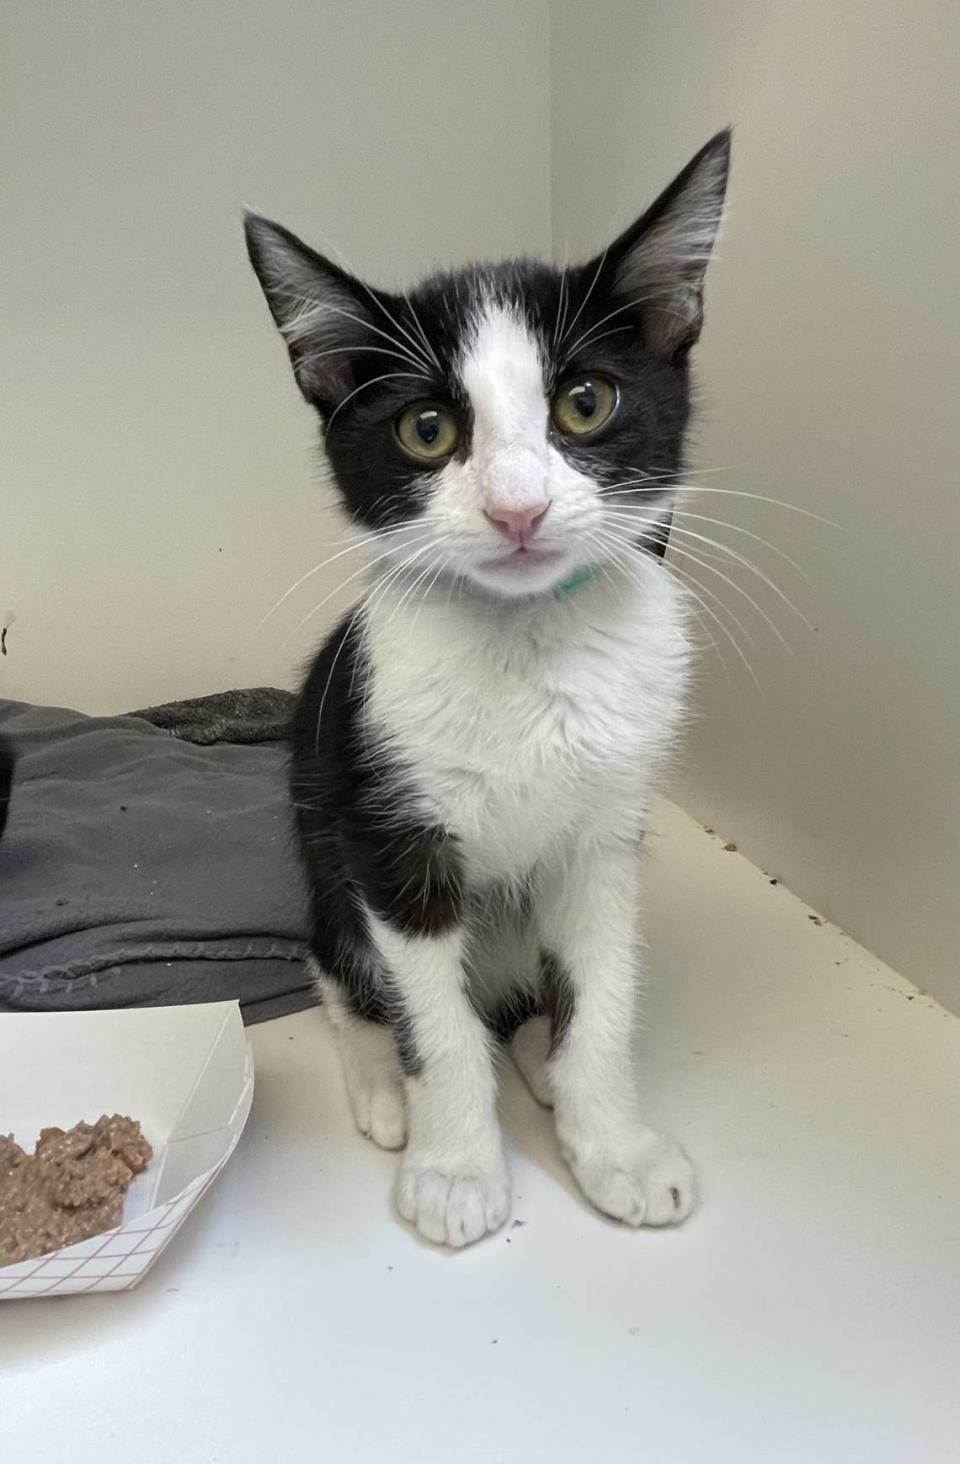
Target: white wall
(160, 486)
(830, 369)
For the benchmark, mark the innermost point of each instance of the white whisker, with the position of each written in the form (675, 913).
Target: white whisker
(312, 356)
(563, 300)
(310, 318)
(690, 580)
(585, 336)
(333, 666)
(364, 569)
(636, 485)
(388, 376)
(583, 302)
(711, 569)
(601, 337)
(361, 542)
(716, 598)
(359, 611)
(621, 561)
(419, 579)
(345, 264)
(748, 533)
(419, 324)
(428, 590)
(680, 530)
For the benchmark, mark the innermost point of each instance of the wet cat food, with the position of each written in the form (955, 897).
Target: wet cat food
(71, 1188)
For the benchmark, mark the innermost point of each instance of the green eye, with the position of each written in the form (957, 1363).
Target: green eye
(428, 431)
(584, 404)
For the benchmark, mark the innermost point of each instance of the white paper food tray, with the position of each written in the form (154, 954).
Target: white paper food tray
(186, 1072)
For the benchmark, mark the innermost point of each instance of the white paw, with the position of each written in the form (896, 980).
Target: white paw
(371, 1070)
(453, 1208)
(380, 1111)
(650, 1183)
(530, 1049)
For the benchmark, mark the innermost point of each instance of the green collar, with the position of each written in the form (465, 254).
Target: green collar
(576, 581)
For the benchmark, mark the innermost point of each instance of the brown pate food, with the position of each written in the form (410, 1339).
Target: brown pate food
(70, 1188)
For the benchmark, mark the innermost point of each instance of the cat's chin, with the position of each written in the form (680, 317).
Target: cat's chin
(533, 572)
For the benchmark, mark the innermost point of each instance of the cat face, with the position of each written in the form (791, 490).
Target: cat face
(511, 424)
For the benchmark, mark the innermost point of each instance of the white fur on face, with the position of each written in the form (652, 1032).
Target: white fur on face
(503, 374)
(512, 465)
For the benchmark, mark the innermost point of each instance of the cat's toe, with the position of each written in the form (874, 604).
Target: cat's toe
(530, 1049)
(388, 1116)
(374, 1081)
(654, 1185)
(453, 1209)
(379, 1109)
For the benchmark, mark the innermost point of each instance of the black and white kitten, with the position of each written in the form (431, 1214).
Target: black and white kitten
(476, 743)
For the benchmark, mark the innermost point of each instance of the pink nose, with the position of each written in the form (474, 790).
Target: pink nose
(519, 524)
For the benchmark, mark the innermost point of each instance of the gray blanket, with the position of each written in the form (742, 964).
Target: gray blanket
(140, 869)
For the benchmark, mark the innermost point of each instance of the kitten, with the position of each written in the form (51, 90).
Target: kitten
(476, 744)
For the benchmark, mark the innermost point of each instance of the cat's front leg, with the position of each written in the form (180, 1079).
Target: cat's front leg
(588, 921)
(453, 1184)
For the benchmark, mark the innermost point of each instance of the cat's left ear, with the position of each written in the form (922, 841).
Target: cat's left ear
(660, 261)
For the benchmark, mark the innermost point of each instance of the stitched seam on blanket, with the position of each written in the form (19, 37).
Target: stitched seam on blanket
(70, 974)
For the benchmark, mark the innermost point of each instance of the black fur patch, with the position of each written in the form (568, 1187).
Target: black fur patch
(559, 999)
(352, 800)
(509, 1015)
(360, 845)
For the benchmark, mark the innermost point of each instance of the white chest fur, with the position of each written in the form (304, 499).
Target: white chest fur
(525, 725)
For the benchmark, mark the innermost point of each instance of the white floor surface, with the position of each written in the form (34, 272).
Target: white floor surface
(809, 1310)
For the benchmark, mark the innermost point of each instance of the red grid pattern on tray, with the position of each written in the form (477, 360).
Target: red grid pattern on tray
(86, 1274)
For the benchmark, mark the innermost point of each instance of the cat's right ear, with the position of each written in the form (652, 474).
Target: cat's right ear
(320, 310)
